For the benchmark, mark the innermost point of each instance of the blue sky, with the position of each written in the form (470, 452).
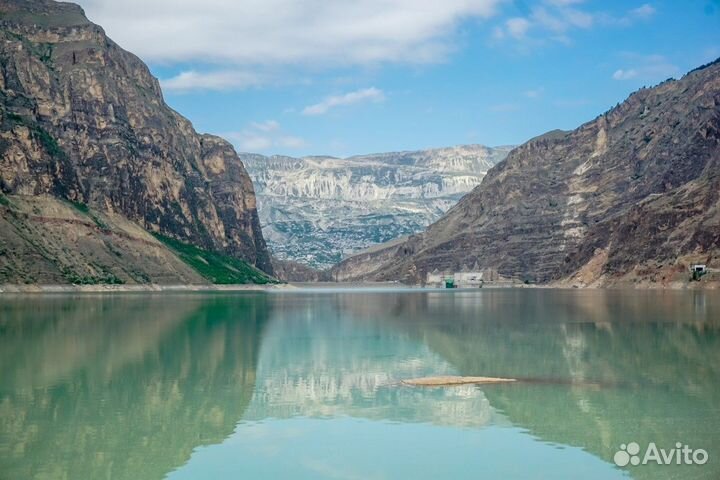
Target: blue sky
(347, 77)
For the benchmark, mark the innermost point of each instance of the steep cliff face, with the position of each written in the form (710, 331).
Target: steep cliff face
(315, 210)
(633, 195)
(83, 120)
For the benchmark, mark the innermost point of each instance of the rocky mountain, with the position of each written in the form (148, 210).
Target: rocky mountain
(316, 210)
(289, 271)
(83, 124)
(631, 196)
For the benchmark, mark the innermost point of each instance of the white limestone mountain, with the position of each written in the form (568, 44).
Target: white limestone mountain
(316, 210)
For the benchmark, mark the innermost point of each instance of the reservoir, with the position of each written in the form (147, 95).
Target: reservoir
(307, 384)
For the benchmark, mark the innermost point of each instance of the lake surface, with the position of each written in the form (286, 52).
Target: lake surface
(305, 384)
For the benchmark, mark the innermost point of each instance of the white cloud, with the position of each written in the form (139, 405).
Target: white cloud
(553, 22)
(287, 32)
(578, 18)
(266, 126)
(644, 11)
(215, 80)
(517, 27)
(561, 20)
(366, 94)
(554, 19)
(645, 67)
(264, 137)
(628, 74)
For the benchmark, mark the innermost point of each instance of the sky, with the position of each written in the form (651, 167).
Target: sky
(347, 77)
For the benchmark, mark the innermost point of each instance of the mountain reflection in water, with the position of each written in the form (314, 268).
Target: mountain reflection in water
(129, 386)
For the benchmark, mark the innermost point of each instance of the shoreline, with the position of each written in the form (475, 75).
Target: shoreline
(318, 286)
(141, 288)
(290, 286)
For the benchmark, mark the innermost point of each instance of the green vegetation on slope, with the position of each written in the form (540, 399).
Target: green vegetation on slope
(85, 210)
(216, 267)
(4, 201)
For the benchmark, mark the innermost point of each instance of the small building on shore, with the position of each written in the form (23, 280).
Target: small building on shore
(698, 270)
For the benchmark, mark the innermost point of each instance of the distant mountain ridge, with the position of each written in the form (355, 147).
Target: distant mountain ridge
(632, 196)
(315, 210)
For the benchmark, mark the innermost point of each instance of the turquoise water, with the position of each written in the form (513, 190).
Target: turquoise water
(305, 384)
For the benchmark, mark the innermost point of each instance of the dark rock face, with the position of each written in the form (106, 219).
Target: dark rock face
(84, 120)
(632, 195)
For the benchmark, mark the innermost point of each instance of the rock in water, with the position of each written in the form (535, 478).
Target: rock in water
(448, 381)
(83, 120)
